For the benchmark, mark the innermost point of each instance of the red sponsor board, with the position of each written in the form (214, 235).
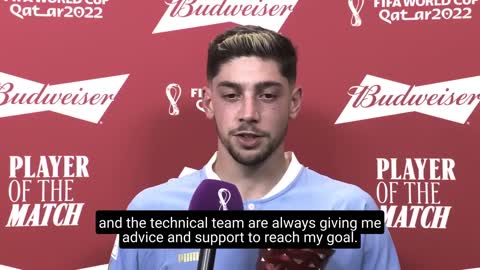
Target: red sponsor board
(100, 99)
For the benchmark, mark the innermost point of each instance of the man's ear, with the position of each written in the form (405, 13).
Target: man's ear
(207, 102)
(295, 102)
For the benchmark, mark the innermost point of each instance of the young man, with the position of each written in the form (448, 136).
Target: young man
(251, 96)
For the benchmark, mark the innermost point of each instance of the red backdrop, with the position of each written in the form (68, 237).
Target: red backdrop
(122, 138)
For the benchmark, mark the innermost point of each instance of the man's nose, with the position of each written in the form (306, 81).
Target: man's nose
(249, 111)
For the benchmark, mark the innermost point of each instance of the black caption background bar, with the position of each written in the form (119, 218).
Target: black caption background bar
(364, 216)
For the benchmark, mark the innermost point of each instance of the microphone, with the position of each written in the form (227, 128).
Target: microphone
(294, 259)
(214, 195)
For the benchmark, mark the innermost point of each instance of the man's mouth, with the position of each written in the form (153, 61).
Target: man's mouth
(248, 140)
(248, 135)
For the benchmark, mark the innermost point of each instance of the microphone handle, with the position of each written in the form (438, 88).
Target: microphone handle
(206, 259)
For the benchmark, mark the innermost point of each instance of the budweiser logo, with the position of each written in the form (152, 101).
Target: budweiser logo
(376, 97)
(86, 100)
(184, 14)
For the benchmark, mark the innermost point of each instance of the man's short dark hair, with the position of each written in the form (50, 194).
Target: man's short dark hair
(252, 41)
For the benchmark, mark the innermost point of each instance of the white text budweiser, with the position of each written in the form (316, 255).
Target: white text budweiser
(184, 14)
(185, 8)
(87, 100)
(369, 96)
(377, 97)
(74, 97)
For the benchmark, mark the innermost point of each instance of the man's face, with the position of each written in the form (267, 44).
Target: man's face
(251, 103)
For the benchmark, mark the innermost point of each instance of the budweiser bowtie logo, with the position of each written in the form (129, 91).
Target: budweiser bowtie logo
(184, 14)
(86, 100)
(376, 97)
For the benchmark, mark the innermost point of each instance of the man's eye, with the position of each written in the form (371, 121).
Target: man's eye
(267, 96)
(230, 96)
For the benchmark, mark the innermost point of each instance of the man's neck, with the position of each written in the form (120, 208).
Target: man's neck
(254, 182)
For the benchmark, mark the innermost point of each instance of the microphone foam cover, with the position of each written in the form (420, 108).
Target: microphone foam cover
(216, 195)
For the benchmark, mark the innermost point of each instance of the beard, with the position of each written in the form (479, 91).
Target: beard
(264, 150)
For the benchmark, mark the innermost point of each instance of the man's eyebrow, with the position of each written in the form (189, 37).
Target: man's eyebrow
(258, 86)
(267, 84)
(229, 84)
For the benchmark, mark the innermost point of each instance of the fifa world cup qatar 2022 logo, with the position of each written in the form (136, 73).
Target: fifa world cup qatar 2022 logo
(224, 197)
(173, 92)
(355, 7)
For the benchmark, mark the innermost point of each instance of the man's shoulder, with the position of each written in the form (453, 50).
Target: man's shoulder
(174, 194)
(342, 194)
